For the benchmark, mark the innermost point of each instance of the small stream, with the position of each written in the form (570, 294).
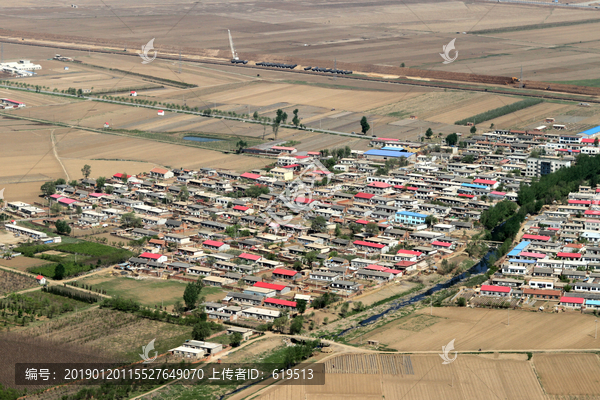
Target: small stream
(478, 268)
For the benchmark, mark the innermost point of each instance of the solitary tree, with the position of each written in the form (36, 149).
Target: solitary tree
(372, 228)
(429, 133)
(48, 188)
(473, 129)
(236, 339)
(430, 220)
(318, 224)
(129, 220)
(354, 227)
(241, 144)
(201, 331)
(364, 125)
(301, 305)
(296, 325)
(184, 194)
(296, 120)
(100, 182)
(59, 272)
(452, 139)
(62, 227)
(55, 209)
(191, 294)
(86, 170)
(280, 323)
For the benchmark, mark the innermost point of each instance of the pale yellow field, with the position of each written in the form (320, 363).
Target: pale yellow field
(476, 329)
(469, 377)
(530, 115)
(569, 374)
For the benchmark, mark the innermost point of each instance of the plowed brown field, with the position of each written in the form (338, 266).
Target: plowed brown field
(469, 377)
(569, 374)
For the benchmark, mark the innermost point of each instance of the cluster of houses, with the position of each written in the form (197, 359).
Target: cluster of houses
(558, 257)
(213, 224)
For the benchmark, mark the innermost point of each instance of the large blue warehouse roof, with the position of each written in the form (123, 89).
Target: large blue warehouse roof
(591, 132)
(387, 153)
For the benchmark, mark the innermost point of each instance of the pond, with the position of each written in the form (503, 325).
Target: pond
(201, 139)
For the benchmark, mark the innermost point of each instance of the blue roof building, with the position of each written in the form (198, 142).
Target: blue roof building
(591, 131)
(410, 218)
(388, 153)
(518, 248)
(474, 186)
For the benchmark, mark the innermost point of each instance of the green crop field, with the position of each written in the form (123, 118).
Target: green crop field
(148, 292)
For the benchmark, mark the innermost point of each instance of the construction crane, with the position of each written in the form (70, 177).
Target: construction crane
(234, 55)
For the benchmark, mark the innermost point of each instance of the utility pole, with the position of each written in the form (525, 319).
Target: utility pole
(596, 334)
(521, 76)
(179, 61)
(1, 52)
(508, 317)
(335, 68)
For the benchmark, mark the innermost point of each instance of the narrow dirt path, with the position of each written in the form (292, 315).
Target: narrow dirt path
(56, 155)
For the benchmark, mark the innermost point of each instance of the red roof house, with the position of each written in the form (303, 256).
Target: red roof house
(250, 257)
(540, 238)
(362, 195)
(492, 290)
(249, 175)
(269, 301)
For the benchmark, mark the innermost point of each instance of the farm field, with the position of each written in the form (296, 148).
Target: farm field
(21, 309)
(111, 333)
(22, 263)
(388, 376)
(569, 374)
(13, 282)
(147, 291)
(487, 329)
(384, 293)
(365, 34)
(31, 160)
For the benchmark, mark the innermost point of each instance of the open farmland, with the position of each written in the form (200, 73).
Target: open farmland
(112, 333)
(13, 282)
(374, 33)
(568, 374)
(23, 263)
(17, 348)
(147, 291)
(31, 161)
(423, 376)
(487, 329)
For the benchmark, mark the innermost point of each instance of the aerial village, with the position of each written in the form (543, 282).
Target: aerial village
(344, 222)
